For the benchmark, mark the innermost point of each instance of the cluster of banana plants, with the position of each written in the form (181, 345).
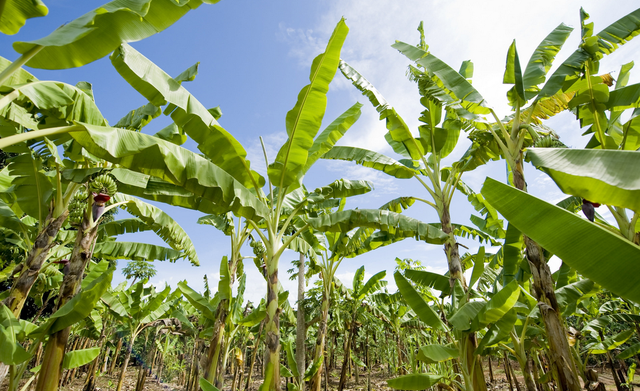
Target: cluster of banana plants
(67, 172)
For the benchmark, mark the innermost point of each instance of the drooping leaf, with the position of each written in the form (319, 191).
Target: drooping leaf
(394, 223)
(99, 32)
(304, 120)
(16, 13)
(417, 303)
(150, 155)
(79, 357)
(432, 354)
(399, 135)
(418, 381)
(342, 188)
(11, 352)
(161, 223)
(135, 251)
(593, 174)
(371, 159)
(592, 251)
(187, 112)
(429, 280)
(197, 300)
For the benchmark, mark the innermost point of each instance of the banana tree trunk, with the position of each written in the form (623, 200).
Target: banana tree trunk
(123, 371)
(301, 328)
(272, 330)
(316, 381)
(544, 290)
(472, 361)
(32, 265)
(347, 353)
(54, 352)
(115, 356)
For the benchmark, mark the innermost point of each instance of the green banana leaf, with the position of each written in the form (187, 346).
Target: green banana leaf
(371, 285)
(223, 222)
(31, 186)
(605, 42)
(429, 280)
(394, 223)
(11, 352)
(418, 381)
(161, 223)
(417, 303)
(499, 331)
(122, 226)
(224, 285)
(313, 368)
(500, 303)
(594, 252)
(371, 159)
(152, 156)
(432, 354)
(78, 308)
(135, 251)
(342, 188)
(466, 316)
(197, 300)
(513, 75)
(331, 134)
(95, 271)
(206, 385)
(304, 120)
(471, 99)
(187, 112)
(542, 58)
(80, 357)
(399, 135)
(16, 13)
(478, 266)
(291, 359)
(99, 32)
(9, 220)
(594, 174)
(629, 352)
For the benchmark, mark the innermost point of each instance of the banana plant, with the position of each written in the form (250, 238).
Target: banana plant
(359, 292)
(549, 99)
(442, 121)
(137, 308)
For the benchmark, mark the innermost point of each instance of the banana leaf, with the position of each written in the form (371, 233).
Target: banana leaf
(16, 13)
(606, 42)
(162, 224)
(79, 357)
(135, 251)
(331, 134)
(418, 381)
(596, 175)
(394, 223)
(371, 159)
(99, 32)
(417, 303)
(187, 112)
(152, 156)
(304, 120)
(399, 135)
(594, 252)
(432, 354)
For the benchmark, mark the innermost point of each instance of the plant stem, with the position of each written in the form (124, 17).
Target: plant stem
(17, 64)
(26, 136)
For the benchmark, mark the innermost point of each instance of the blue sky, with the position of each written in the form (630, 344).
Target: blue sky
(255, 57)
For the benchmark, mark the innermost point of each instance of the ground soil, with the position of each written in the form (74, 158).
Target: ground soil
(378, 381)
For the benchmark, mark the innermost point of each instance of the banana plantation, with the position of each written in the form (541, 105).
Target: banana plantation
(498, 318)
